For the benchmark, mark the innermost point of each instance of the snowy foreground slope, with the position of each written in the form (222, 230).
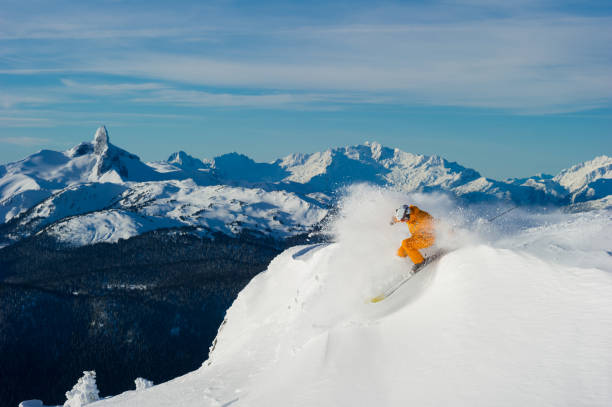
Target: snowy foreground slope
(520, 313)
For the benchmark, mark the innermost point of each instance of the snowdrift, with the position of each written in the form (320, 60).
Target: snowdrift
(524, 320)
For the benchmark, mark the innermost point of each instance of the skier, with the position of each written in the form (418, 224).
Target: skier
(421, 226)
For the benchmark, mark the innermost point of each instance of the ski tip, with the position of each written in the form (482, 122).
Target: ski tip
(378, 299)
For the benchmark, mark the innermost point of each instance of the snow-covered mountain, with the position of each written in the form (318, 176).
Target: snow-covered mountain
(101, 188)
(588, 181)
(375, 164)
(26, 182)
(514, 318)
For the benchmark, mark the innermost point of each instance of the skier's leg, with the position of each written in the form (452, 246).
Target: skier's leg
(415, 256)
(408, 246)
(401, 252)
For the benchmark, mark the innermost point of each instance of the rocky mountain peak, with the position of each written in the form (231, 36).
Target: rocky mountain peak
(184, 160)
(101, 140)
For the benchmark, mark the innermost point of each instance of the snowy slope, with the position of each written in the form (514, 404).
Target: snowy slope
(235, 208)
(72, 201)
(178, 204)
(107, 226)
(499, 321)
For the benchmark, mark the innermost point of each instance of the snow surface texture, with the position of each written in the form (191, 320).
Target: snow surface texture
(60, 190)
(520, 313)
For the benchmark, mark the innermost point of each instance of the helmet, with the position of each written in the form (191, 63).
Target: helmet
(403, 212)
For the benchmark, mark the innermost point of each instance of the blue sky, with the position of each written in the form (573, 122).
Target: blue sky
(508, 89)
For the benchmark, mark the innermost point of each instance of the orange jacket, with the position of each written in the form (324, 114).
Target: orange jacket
(420, 223)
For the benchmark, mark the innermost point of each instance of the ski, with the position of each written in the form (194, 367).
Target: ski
(417, 268)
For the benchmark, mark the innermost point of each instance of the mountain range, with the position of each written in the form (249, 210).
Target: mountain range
(97, 192)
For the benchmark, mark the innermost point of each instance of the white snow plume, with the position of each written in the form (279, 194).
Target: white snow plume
(500, 321)
(367, 243)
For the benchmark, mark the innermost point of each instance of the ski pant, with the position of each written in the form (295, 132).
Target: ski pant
(409, 247)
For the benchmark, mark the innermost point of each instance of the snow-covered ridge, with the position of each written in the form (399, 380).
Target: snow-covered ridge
(180, 204)
(375, 164)
(521, 317)
(67, 187)
(591, 180)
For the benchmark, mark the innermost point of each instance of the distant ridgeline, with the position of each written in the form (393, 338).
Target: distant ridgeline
(97, 192)
(126, 267)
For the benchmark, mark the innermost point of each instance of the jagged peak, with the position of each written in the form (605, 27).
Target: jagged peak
(235, 155)
(182, 159)
(233, 158)
(376, 149)
(177, 157)
(101, 140)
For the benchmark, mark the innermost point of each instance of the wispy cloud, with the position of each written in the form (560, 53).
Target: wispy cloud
(9, 100)
(156, 93)
(523, 58)
(110, 88)
(199, 98)
(24, 141)
(20, 118)
(261, 100)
